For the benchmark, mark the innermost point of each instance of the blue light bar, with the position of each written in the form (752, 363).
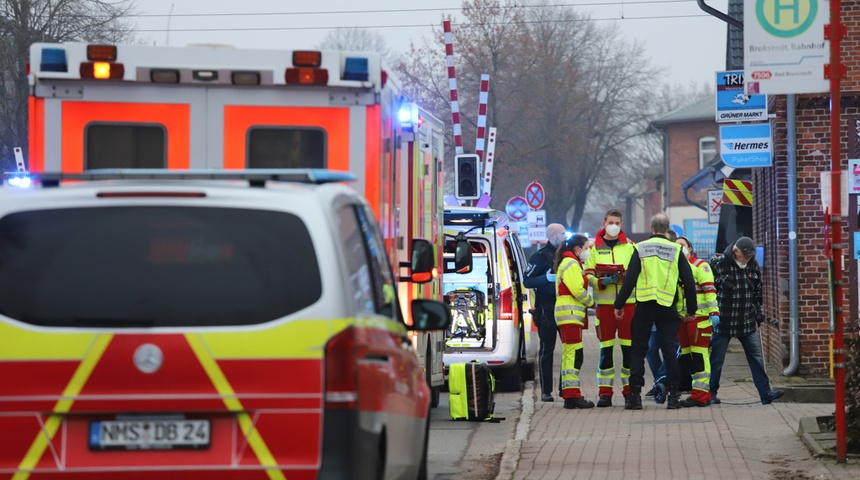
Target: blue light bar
(356, 69)
(19, 180)
(54, 60)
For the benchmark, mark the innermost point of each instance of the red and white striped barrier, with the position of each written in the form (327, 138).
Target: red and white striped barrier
(488, 163)
(452, 85)
(482, 116)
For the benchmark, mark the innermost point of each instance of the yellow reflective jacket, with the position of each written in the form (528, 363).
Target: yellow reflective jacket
(706, 291)
(658, 279)
(572, 297)
(604, 255)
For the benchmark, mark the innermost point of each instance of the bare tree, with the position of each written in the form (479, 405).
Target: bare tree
(24, 22)
(359, 39)
(569, 98)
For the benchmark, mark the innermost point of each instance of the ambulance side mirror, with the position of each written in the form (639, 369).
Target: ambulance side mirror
(462, 255)
(429, 315)
(423, 263)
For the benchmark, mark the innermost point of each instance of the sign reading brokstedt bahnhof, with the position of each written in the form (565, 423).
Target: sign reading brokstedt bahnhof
(784, 47)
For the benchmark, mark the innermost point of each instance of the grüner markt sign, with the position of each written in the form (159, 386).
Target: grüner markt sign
(784, 47)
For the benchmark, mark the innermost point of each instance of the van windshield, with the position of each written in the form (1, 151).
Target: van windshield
(132, 267)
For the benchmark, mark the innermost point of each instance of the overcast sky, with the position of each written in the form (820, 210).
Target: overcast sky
(685, 43)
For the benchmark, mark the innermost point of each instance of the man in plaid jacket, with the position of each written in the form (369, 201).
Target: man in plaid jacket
(739, 295)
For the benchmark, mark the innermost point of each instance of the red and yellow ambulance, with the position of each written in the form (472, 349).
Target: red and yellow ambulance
(218, 107)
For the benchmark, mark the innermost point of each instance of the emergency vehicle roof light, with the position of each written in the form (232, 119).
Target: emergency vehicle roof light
(307, 58)
(306, 76)
(20, 180)
(101, 53)
(102, 70)
(407, 116)
(204, 75)
(164, 76)
(245, 78)
(356, 69)
(54, 60)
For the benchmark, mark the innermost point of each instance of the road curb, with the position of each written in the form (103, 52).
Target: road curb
(511, 456)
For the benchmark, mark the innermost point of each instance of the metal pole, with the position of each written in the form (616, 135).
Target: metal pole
(794, 318)
(835, 32)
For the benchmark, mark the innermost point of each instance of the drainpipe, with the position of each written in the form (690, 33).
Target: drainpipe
(794, 320)
(667, 195)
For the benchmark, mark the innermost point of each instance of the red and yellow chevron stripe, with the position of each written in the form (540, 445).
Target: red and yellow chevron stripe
(737, 192)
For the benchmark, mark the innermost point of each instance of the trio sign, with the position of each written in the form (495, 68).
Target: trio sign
(733, 105)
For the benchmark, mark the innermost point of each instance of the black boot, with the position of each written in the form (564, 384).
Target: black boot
(633, 400)
(571, 403)
(673, 400)
(605, 401)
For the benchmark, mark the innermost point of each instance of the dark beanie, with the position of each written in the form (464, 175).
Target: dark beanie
(746, 246)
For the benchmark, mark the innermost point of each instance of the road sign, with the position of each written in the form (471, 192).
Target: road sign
(715, 202)
(733, 105)
(535, 195)
(537, 217)
(537, 234)
(746, 146)
(516, 208)
(679, 230)
(784, 46)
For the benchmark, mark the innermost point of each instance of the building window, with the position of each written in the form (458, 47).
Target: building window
(707, 150)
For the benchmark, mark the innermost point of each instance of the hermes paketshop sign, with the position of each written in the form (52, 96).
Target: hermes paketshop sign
(784, 47)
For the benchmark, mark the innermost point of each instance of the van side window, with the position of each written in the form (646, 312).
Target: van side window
(125, 146)
(380, 269)
(357, 264)
(286, 147)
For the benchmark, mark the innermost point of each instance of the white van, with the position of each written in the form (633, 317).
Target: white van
(492, 322)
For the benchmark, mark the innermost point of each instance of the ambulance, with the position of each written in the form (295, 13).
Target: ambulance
(217, 107)
(490, 307)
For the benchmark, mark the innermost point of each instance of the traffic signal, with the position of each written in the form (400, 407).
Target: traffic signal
(467, 177)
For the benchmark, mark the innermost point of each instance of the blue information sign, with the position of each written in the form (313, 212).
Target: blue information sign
(746, 146)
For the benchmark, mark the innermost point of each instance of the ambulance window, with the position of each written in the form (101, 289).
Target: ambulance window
(125, 146)
(171, 266)
(286, 147)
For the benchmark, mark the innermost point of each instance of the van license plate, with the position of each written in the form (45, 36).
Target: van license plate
(149, 434)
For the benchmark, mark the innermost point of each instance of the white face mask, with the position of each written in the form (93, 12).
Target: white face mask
(584, 254)
(686, 251)
(555, 241)
(741, 264)
(613, 230)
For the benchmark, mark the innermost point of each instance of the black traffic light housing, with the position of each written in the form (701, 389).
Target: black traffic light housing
(467, 176)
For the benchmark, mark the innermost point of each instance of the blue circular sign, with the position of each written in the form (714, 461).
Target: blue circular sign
(517, 208)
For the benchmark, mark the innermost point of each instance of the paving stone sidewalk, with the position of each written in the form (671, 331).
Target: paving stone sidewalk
(738, 439)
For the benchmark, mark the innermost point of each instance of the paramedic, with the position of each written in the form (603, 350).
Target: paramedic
(541, 277)
(571, 316)
(604, 270)
(695, 336)
(656, 294)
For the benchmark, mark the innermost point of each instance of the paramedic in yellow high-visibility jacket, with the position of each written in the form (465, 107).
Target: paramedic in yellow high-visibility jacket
(609, 259)
(571, 316)
(695, 336)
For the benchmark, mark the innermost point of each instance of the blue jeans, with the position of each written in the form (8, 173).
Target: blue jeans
(655, 363)
(719, 345)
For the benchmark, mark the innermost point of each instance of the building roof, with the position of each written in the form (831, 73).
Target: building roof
(701, 110)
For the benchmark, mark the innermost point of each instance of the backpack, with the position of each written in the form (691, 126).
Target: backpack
(470, 392)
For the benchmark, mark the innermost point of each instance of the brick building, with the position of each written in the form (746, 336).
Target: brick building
(689, 145)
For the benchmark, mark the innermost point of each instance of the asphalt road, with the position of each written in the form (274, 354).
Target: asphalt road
(470, 450)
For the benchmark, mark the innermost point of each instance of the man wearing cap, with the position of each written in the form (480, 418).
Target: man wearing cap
(739, 296)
